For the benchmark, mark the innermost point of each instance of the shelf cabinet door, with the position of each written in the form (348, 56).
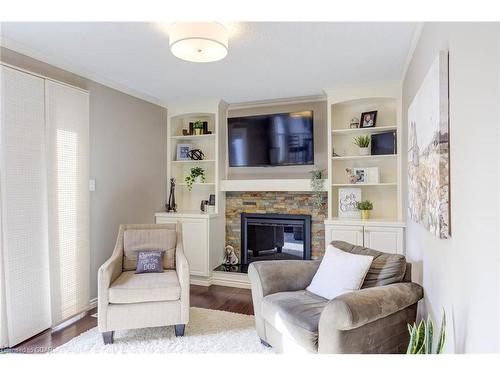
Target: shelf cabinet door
(348, 233)
(195, 238)
(195, 243)
(386, 239)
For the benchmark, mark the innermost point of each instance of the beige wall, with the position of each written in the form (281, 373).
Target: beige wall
(127, 158)
(320, 142)
(461, 274)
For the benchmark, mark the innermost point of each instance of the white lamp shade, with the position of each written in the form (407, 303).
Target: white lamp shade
(198, 41)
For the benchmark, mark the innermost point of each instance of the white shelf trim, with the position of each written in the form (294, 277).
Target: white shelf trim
(193, 161)
(368, 184)
(363, 157)
(203, 136)
(375, 129)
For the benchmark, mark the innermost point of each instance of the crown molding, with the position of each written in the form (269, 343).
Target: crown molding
(280, 101)
(84, 73)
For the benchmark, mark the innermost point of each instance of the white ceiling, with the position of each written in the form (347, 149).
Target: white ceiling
(267, 60)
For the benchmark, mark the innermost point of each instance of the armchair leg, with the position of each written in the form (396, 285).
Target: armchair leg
(179, 329)
(108, 337)
(266, 344)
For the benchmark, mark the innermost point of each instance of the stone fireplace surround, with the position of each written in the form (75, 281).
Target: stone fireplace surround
(276, 202)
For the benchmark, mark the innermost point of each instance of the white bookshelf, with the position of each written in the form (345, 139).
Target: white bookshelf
(344, 104)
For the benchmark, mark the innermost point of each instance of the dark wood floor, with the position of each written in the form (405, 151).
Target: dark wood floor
(213, 297)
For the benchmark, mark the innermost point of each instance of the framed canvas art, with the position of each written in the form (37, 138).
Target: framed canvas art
(348, 203)
(428, 151)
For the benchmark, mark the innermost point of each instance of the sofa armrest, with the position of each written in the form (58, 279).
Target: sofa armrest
(355, 309)
(282, 275)
(182, 269)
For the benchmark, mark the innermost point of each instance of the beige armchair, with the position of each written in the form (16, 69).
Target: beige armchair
(370, 320)
(127, 300)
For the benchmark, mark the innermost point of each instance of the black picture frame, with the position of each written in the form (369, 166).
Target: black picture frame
(362, 120)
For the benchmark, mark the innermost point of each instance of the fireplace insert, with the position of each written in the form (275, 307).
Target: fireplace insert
(275, 237)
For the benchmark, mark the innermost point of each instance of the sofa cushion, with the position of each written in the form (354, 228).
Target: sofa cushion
(339, 272)
(130, 287)
(135, 240)
(295, 314)
(385, 269)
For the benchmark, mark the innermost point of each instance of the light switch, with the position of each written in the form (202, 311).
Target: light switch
(91, 185)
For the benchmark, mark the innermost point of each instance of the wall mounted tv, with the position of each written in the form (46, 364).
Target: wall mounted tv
(271, 140)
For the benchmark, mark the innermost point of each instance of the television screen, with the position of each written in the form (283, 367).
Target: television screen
(271, 140)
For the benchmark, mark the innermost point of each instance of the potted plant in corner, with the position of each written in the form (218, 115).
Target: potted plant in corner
(365, 207)
(198, 128)
(363, 142)
(196, 176)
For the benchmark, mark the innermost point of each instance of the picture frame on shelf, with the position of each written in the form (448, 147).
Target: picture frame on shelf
(183, 151)
(348, 203)
(368, 119)
(366, 175)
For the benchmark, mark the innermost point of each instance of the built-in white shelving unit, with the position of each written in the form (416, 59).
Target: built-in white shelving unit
(203, 233)
(385, 229)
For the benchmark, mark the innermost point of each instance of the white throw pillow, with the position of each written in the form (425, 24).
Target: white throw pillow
(339, 272)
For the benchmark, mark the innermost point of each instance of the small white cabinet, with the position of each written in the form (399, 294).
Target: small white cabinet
(382, 236)
(196, 241)
(348, 233)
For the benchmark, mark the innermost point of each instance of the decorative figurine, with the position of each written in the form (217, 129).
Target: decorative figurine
(171, 205)
(230, 257)
(196, 154)
(354, 123)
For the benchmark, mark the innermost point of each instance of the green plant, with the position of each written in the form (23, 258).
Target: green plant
(362, 141)
(195, 172)
(365, 205)
(198, 125)
(422, 336)
(317, 186)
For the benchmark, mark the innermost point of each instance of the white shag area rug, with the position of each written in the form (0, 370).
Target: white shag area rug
(208, 331)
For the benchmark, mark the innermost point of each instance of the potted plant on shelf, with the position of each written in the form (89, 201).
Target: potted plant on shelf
(196, 176)
(198, 128)
(363, 142)
(365, 207)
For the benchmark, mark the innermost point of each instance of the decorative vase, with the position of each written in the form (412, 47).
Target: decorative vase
(365, 214)
(198, 180)
(364, 151)
(198, 131)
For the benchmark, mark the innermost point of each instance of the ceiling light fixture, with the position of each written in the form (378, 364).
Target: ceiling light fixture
(199, 41)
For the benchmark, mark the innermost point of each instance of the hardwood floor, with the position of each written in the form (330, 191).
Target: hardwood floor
(213, 297)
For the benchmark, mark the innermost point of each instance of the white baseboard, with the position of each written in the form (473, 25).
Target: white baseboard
(233, 280)
(92, 304)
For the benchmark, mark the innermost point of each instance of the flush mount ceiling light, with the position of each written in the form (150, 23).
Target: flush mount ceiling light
(198, 41)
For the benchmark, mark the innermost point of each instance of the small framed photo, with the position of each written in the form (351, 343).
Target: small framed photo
(182, 151)
(368, 119)
(368, 175)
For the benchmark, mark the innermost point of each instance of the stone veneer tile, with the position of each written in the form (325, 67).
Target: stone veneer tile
(295, 203)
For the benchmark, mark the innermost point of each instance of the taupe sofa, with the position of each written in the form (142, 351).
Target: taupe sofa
(371, 320)
(127, 300)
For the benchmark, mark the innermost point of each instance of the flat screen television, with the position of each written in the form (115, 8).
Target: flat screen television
(271, 140)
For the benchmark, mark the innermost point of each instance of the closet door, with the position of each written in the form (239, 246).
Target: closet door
(68, 175)
(24, 205)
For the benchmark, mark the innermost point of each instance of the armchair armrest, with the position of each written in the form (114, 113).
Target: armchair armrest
(182, 269)
(277, 276)
(108, 272)
(281, 275)
(355, 309)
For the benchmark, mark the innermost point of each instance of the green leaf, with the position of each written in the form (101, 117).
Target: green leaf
(420, 337)
(413, 334)
(429, 335)
(442, 335)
